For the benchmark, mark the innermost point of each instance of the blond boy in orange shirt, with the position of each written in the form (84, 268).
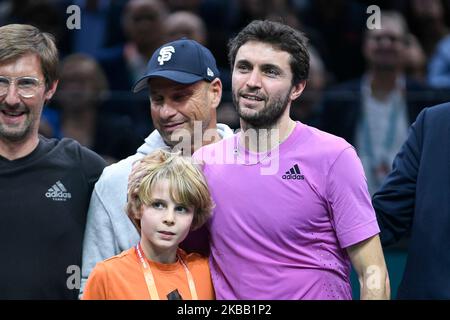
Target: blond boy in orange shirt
(167, 197)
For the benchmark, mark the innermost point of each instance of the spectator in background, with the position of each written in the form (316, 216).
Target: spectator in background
(216, 16)
(439, 66)
(340, 24)
(143, 23)
(248, 10)
(47, 15)
(184, 5)
(45, 184)
(373, 113)
(82, 104)
(92, 35)
(427, 21)
(415, 60)
(308, 108)
(115, 33)
(185, 24)
(124, 64)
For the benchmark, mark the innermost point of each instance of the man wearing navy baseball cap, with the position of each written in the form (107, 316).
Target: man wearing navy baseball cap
(184, 89)
(183, 61)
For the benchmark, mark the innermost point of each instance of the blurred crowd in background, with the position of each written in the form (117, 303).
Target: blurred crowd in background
(366, 86)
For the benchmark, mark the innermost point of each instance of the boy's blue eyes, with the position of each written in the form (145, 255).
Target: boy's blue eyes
(160, 205)
(157, 205)
(181, 209)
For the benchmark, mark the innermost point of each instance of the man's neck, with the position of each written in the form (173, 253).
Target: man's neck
(382, 83)
(16, 150)
(265, 139)
(211, 135)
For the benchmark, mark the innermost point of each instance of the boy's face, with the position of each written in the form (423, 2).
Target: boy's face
(164, 223)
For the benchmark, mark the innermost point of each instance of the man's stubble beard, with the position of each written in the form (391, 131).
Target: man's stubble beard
(266, 117)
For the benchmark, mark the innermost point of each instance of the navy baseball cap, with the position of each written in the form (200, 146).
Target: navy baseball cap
(183, 61)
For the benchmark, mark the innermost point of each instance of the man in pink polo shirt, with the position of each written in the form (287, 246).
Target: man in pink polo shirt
(292, 207)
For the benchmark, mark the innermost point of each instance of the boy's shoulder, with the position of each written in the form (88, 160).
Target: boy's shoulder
(123, 258)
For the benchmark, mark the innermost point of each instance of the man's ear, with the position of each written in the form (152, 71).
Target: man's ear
(51, 90)
(215, 92)
(298, 89)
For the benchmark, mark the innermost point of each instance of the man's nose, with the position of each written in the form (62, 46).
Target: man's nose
(12, 96)
(254, 80)
(167, 111)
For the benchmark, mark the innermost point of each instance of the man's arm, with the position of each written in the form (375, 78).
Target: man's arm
(368, 260)
(99, 239)
(394, 203)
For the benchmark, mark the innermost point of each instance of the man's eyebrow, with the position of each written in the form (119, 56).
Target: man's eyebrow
(263, 66)
(176, 89)
(271, 66)
(182, 88)
(243, 61)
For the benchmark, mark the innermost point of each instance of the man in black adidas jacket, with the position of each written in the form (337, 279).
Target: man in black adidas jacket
(45, 185)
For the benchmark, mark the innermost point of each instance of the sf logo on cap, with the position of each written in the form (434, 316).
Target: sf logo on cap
(165, 54)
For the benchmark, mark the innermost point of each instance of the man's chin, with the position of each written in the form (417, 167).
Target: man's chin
(255, 122)
(14, 135)
(248, 113)
(386, 66)
(175, 137)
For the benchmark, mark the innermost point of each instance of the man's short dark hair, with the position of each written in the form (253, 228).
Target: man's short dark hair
(280, 36)
(16, 40)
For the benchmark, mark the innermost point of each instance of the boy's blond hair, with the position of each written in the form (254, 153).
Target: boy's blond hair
(187, 185)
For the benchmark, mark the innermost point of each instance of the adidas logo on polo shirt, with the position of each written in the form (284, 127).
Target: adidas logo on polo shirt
(293, 174)
(58, 192)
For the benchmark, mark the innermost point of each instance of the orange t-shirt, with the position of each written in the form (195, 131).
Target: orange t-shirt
(121, 278)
